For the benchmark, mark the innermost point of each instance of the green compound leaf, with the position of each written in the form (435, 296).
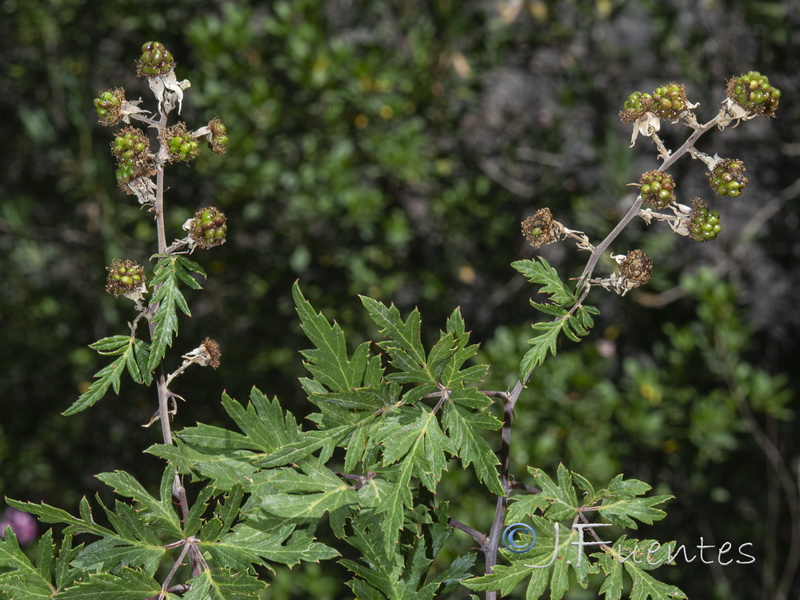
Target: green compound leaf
(646, 586)
(413, 434)
(24, 580)
(51, 514)
(224, 469)
(403, 342)
(461, 426)
(547, 565)
(621, 504)
(224, 584)
(304, 495)
(398, 496)
(635, 557)
(561, 497)
(452, 375)
(404, 335)
(127, 349)
(169, 298)
(573, 326)
(157, 513)
(128, 584)
(111, 346)
(246, 545)
(328, 362)
(622, 512)
(540, 272)
(65, 574)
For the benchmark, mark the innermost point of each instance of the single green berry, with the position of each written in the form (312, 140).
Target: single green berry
(657, 189)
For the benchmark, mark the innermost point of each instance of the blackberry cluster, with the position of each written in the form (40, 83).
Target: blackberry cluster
(538, 229)
(124, 276)
(753, 92)
(155, 60)
(130, 147)
(703, 222)
(637, 104)
(727, 178)
(130, 143)
(219, 136)
(669, 101)
(666, 102)
(638, 101)
(181, 144)
(108, 105)
(657, 189)
(208, 227)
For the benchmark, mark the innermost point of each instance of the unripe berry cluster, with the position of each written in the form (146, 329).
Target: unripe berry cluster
(638, 102)
(124, 276)
(155, 60)
(130, 147)
(108, 105)
(180, 143)
(657, 189)
(219, 136)
(669, 101)
(538, 229)
(130, 143)
(666, 102)
(208, 227)
(727, 177)
(703, 222)
(753, 92)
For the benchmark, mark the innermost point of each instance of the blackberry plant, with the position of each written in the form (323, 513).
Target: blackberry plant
(391, 417)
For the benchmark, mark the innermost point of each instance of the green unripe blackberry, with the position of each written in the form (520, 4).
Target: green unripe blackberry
(154, 61)
(108, 105)
(208, 228)
(753, 92)
(124, 277)
(180, 143)
(703, 223)
(130, 144)
(635, 106)
(727, 178)
(657, 189)
(126, 172)
(219, 136)
(669, 101)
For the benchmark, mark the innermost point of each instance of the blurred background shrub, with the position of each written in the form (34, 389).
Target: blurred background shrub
(391, 149)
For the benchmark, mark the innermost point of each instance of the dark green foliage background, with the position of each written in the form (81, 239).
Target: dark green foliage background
(391, 149)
